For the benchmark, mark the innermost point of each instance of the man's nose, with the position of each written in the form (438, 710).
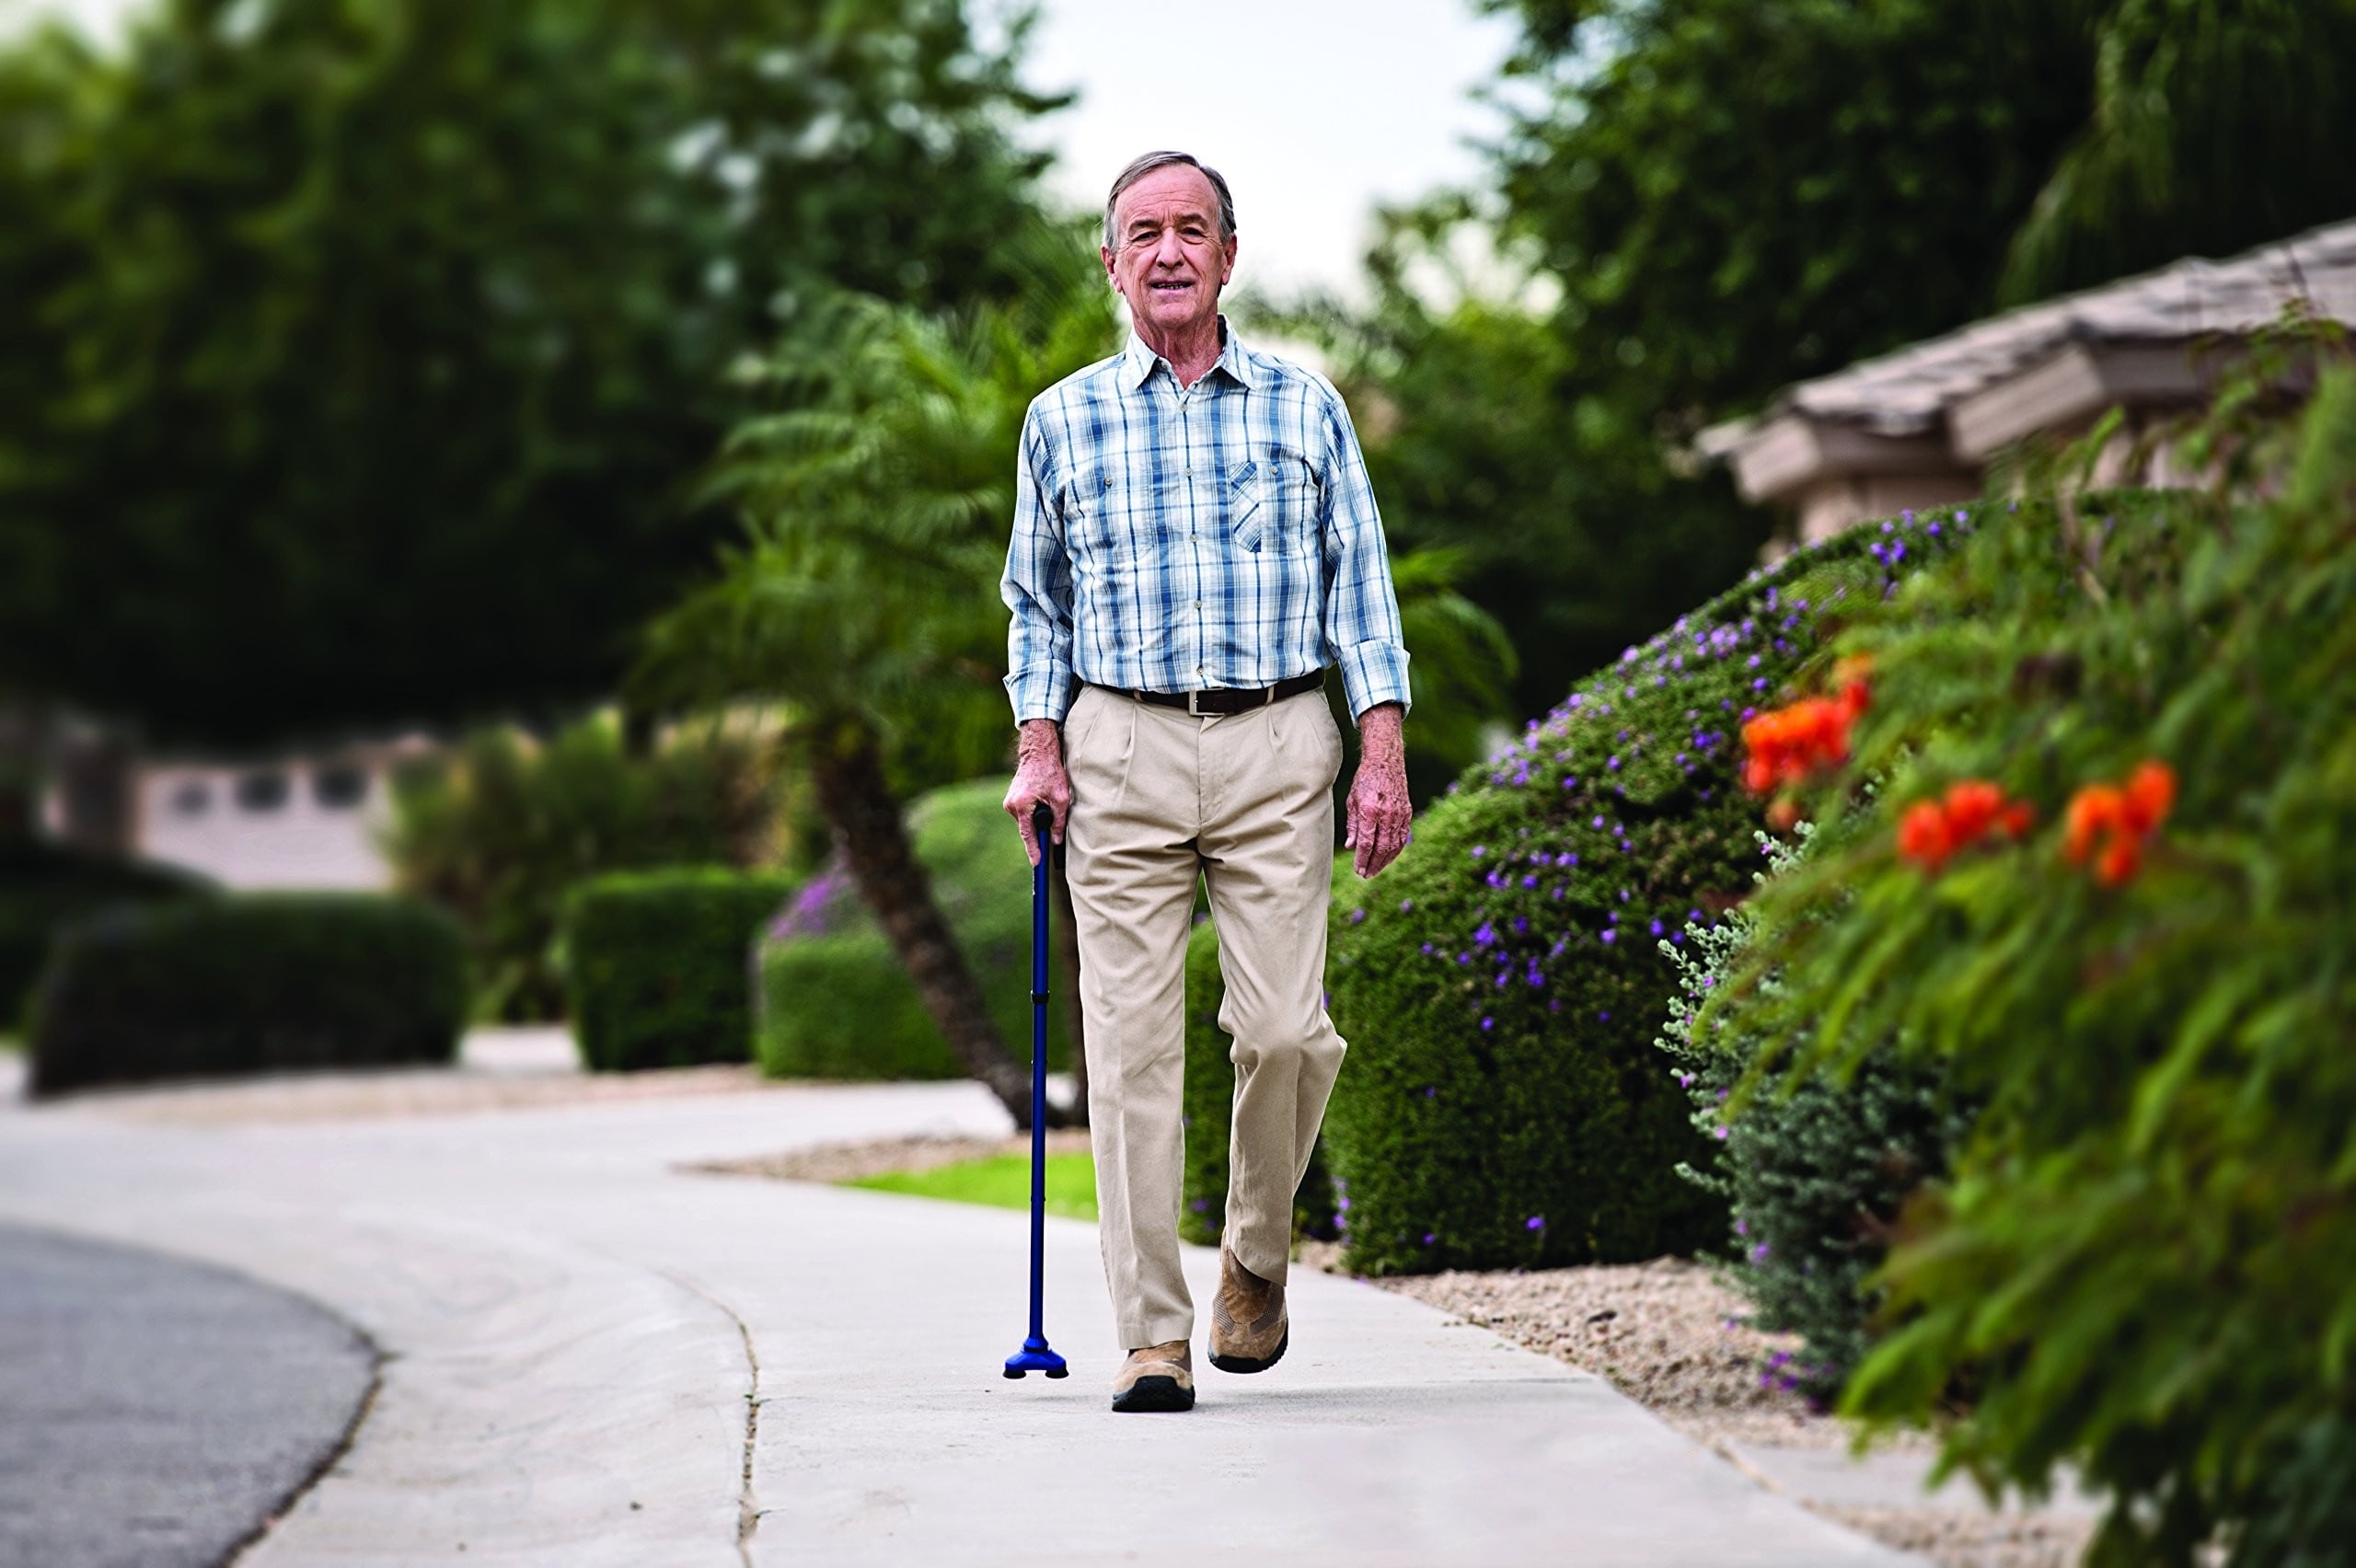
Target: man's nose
(1167, 251)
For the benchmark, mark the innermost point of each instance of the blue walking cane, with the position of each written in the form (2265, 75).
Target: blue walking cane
(1034, 1355)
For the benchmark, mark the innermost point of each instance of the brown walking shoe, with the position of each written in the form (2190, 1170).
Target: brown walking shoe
(1249, 1326)
(1160, 1376)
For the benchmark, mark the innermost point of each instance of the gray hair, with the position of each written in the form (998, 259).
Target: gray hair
(1138, 168)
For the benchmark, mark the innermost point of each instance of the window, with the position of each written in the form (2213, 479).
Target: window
(340, 787)
(192, 797)
(262, 792)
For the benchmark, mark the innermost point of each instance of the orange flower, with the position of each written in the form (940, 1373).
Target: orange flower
(2094, 810)
(1972, 807)
(2151, 790)
(1924, 836)
(1789, 745)
(1932, 831)
(2111, 824)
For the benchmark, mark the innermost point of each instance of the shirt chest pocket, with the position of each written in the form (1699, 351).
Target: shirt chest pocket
(1111, 510)
(1273, 502)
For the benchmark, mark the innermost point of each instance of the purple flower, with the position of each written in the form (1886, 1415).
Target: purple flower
(1357, 916)
(1535, 1222)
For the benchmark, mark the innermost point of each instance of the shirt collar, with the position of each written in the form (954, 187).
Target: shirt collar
(1138, 360)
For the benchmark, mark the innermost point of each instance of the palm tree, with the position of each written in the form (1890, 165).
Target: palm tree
(875, 505)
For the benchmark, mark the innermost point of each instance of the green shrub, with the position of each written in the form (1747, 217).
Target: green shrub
(1816, 1170)
(1503, 1103)
(835, 1002)
(659, 966)
(248, 984)
(2144, 1262)
(501, 834)
(1210, 1113)
(44, 887)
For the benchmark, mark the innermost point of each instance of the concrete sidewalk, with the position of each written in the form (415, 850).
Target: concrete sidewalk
(594, 1358)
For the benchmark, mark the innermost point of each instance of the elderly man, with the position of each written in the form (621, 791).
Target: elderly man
(1195, 540)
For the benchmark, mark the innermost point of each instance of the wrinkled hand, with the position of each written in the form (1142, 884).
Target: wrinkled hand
(1380, 819)
(1039, 776)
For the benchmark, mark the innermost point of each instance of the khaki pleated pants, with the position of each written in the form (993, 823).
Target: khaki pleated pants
(1244, 802)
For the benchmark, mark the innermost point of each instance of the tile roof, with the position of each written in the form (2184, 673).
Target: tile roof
(1908, 391)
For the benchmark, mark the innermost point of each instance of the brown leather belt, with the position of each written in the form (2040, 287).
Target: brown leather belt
(1226, 699)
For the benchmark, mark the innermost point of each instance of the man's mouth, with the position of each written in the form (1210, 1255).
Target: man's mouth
(1171, 285)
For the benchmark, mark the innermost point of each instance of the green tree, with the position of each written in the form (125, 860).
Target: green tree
(357, 353)
(1550, 500)
(874, 502)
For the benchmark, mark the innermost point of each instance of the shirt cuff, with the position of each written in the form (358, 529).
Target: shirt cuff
(1043, 692)
(1374, 673)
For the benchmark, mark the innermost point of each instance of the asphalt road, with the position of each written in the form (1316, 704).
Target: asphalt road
(154, 1412)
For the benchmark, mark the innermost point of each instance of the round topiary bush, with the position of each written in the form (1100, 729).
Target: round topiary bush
(44, 887)
(253, 983)
(1500, 988)
(657, 964)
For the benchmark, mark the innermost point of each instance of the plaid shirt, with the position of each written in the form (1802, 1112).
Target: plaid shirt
(1177, 539)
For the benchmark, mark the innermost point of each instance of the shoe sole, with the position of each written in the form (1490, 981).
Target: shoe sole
(1253, 1363)
(1148, 1395)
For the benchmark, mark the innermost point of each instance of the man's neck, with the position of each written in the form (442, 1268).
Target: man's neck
(1191, 352)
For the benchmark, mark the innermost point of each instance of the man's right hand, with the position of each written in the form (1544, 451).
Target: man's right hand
(1039, 776)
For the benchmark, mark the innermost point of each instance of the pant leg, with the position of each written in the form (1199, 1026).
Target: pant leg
(1133, 872)
(1268, 853)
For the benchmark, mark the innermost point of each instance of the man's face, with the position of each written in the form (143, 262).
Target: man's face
(1170, 262)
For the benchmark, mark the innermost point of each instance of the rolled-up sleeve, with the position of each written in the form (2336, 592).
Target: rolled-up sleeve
(1037, 588)
(1362, 631)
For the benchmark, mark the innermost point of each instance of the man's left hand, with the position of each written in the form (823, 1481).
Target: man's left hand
(1380, 819)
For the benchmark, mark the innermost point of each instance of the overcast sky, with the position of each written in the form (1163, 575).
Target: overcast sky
(1315, 110)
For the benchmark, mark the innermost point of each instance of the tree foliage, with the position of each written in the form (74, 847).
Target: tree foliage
(357, 353)
(2141, 1262)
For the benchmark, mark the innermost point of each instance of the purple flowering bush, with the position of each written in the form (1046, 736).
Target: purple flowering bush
(1501, 986)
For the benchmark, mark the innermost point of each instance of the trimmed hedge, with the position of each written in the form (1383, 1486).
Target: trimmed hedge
(1208, 1110)
(1504, 1104)
(44, 887)
(248, 984)
(835, 1002)
(659, 966)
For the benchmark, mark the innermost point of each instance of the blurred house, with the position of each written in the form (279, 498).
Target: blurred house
(1921, 427)
(292, 822)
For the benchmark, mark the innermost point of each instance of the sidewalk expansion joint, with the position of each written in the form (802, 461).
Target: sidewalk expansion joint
(749, 1518)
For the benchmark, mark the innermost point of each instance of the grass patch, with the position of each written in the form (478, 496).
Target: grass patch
(1002, 1181)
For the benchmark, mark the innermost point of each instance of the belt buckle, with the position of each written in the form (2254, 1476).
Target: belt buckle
(1193, 710)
